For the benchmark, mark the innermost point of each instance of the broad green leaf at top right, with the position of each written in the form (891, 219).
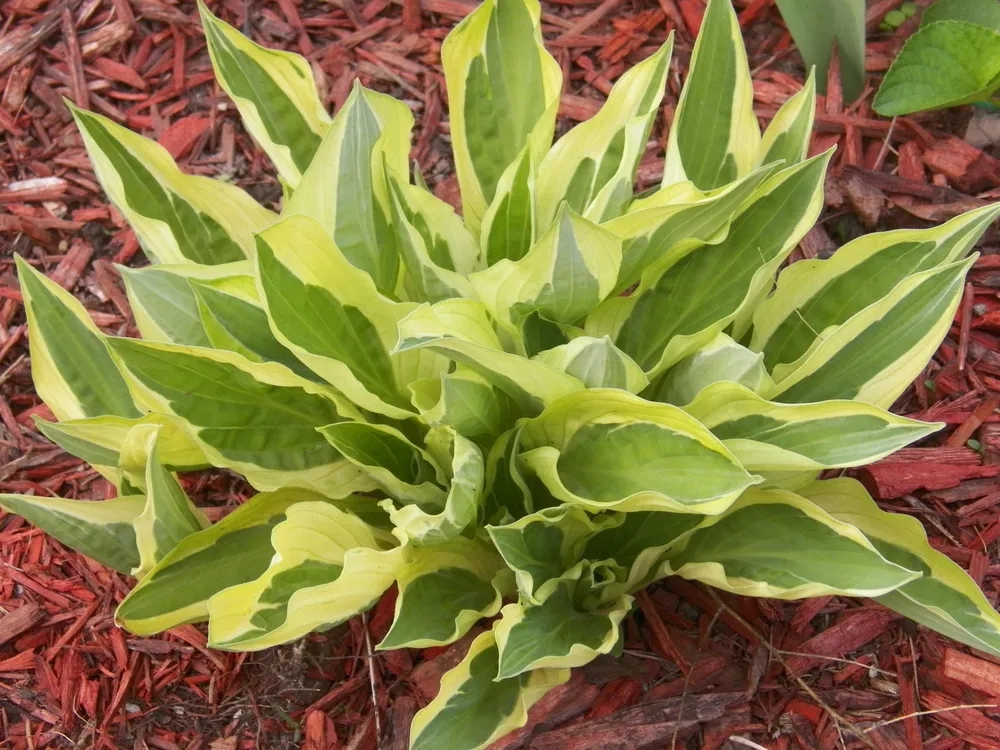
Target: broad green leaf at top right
(953, 59)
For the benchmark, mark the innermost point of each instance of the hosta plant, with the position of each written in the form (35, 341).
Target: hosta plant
(523, 415)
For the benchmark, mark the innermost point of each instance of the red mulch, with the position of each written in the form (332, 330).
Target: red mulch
(698, 669)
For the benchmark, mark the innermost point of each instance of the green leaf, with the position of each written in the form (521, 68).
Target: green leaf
(462, 400)
(472, 708)
(274, 92)
(609, 450)
(679, 307)
(169, 516)
(593, 166)
(344, 188)
(99, 440)
(164, 303)
(815, 296)
(672, 222)
(555, 633)
(721, 360)
(766, 436)
(877, 353)
(461, 331)
(232, 551)
(312, 548)
(257, 418)
(510, 225)
(100, 529)
(944, 599)
(443, 592)
(816, 26)
(507, 493)
(176, 217)
(788, 136)
(503, 93)
(71, 368)
(980, 12)
(399, 467)
(596, 362)
(424, 278)
(329, 314)
(715, 137)
(427, 526)
(566, 274)
(943, 65)
(540, 547)
(774, 543)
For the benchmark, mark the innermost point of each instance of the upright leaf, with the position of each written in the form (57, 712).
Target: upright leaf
(510, 224)
(876, 354)
(70, 366)
(787, 137)
(597, 362)
(503, 92)
(344, 188)
(818, 26)
(274, 92)
(715, 137)
(177, 217)
(588, 167)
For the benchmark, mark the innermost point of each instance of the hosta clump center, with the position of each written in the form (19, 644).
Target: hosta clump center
(533, 410)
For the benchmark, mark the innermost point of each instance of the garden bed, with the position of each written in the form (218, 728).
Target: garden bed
(699, 667)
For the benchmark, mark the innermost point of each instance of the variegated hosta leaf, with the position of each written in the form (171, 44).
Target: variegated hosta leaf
(429, 256)
(721, 360)
(473, 708)
(637, 542)
(766, 436)
(100, 529)
(605, 449)
(164, 303)
(541, 547)
(557, 633)
(177, 217)
(235, 323)
(461, 331)
(402, 469)
(510, 224)
(259, 419)
(944, 598)
(593, 166)
(329, 314)
(422, 526)
(70, 366)
(714, 138)
(99, 440)
(503, 93)
(787, 137)
(681, 306)
(344, 188)
(875, 355)
(444, 591)
(815, 296)
(274, 92)
(169, 516)
(232, 551)
(566, 274)
(776, 544)
(507, 494)
(674, 221)
(462, 400)
(597, 362)
(317, 547)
